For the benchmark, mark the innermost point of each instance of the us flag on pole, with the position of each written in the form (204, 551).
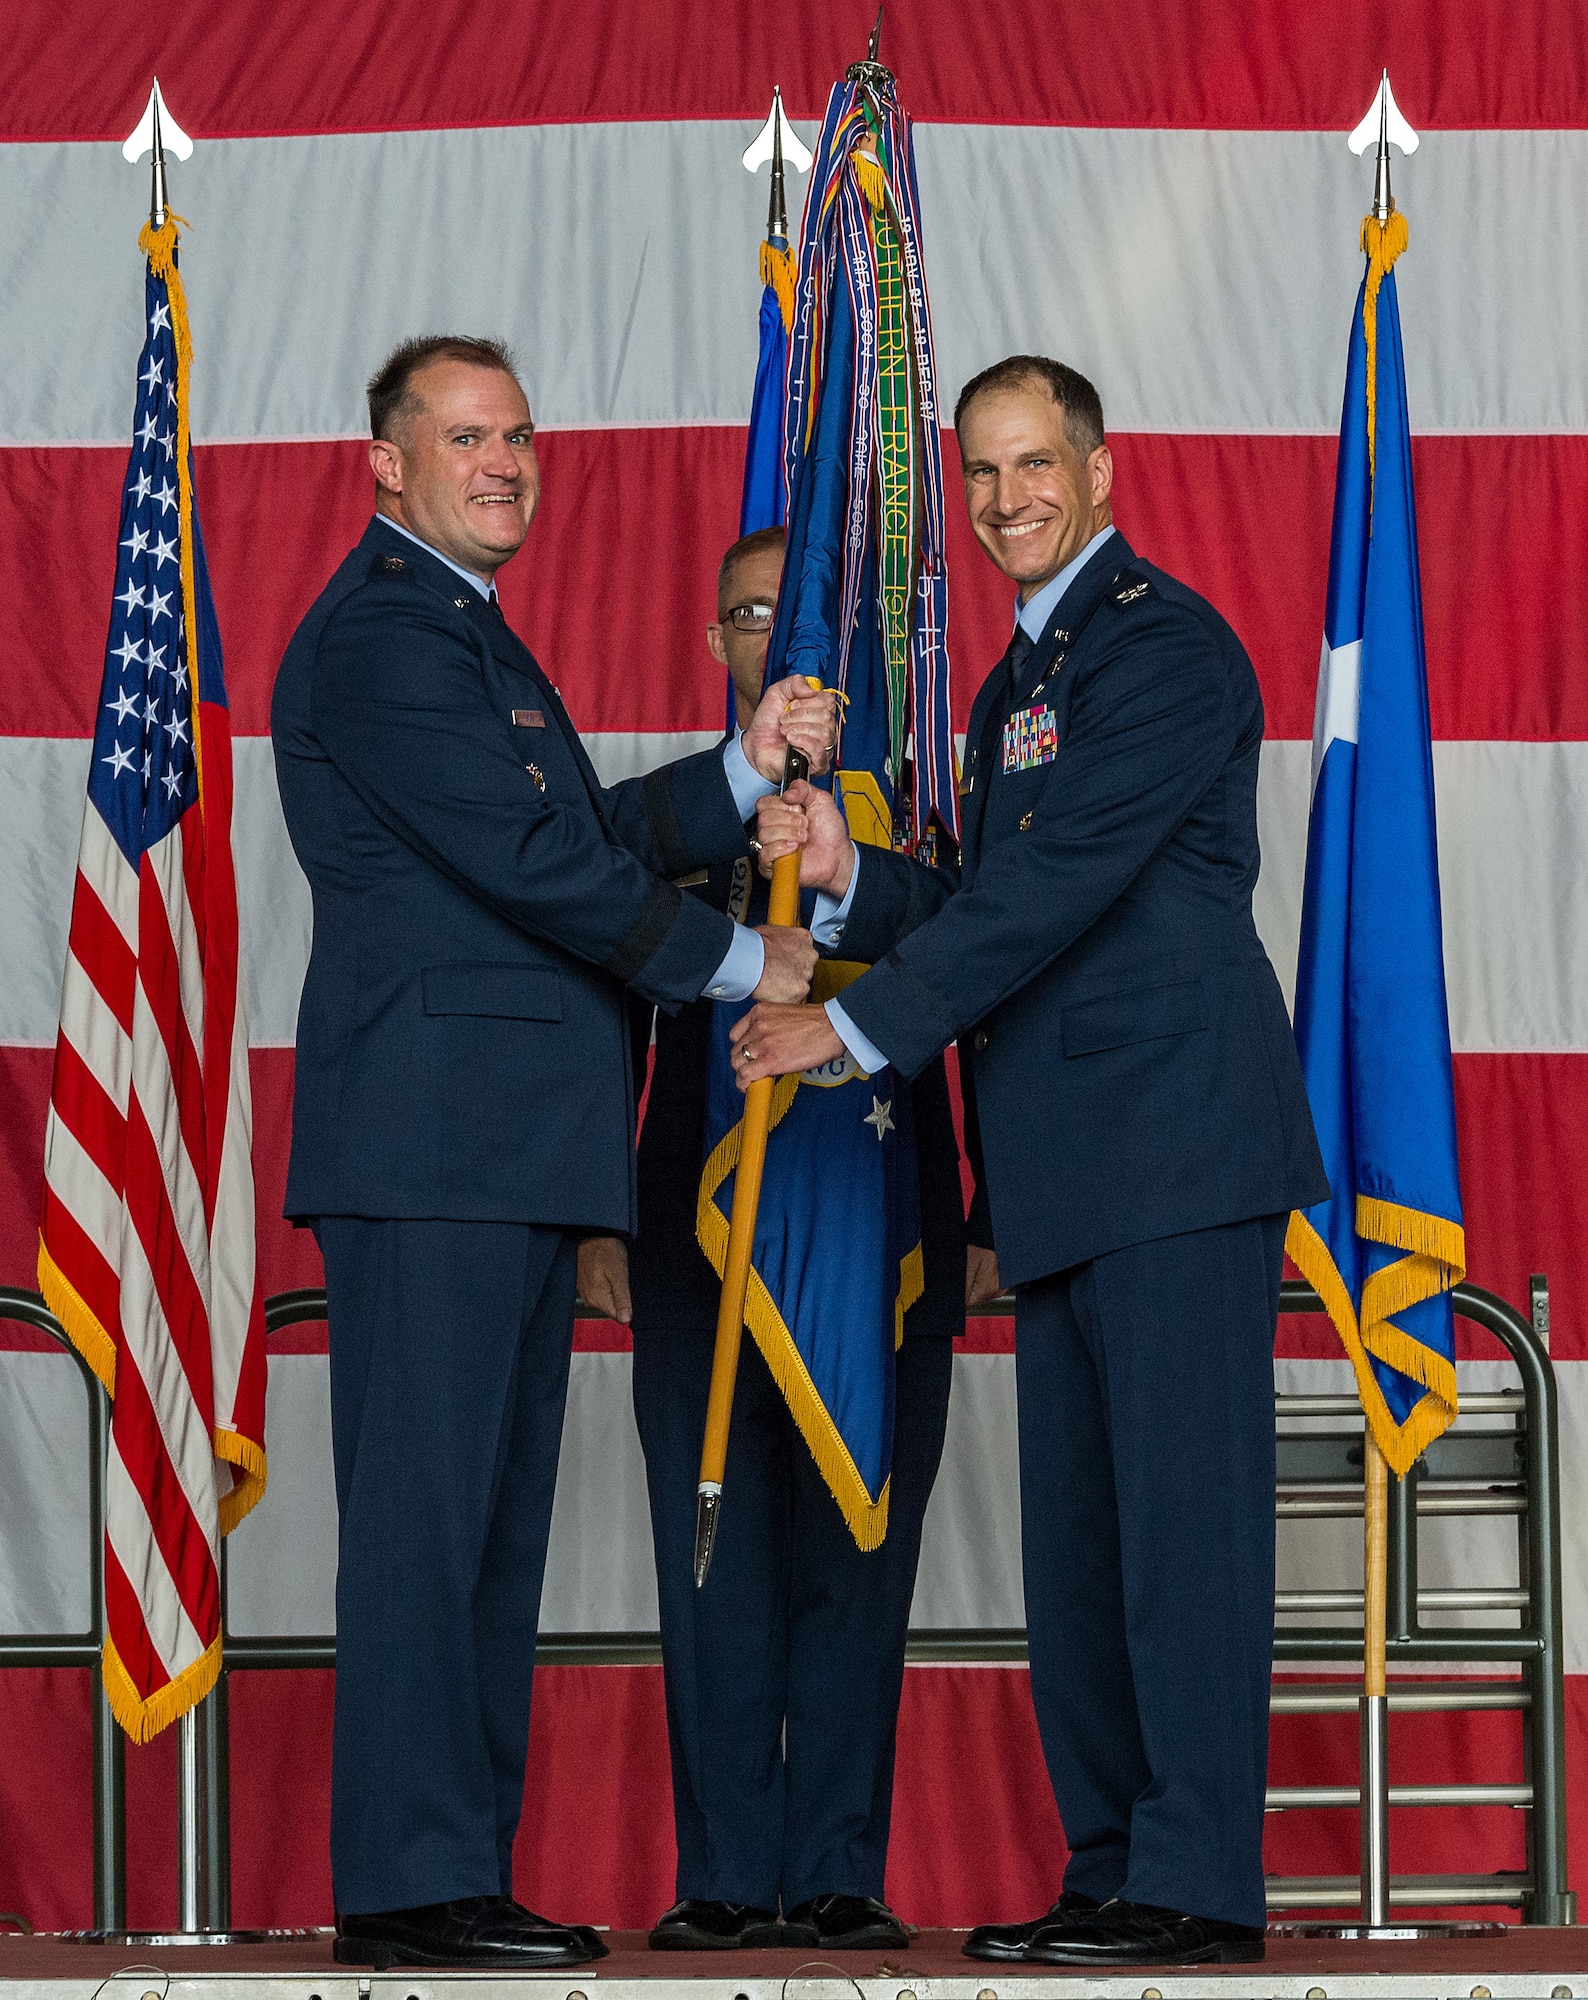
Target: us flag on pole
(146, 1250)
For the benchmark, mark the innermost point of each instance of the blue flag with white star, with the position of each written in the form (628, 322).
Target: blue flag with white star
(1372, 1023)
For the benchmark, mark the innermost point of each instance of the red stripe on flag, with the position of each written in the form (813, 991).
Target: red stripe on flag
(89, 1113)
(178, 1535)
(1518, 1116)
(160, 977)
(128, 1633)
(150, 1212)
(212, 830)
(1243, 518)
(288, 1257)
(102, 951)
(374, 64)
(71, 1249)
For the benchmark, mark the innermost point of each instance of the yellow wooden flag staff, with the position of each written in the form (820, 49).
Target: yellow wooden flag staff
(784, 908)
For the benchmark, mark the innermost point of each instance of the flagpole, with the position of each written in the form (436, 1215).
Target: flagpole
(1373, 1779)
(783, 910)
(1383, 237)
(1373, 1768)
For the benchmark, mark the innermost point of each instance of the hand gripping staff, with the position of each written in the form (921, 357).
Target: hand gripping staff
(783, 908)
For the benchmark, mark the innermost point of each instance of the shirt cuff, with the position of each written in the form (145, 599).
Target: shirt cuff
(866, 1053)
(828, 925)
(746, 784)
(740, 971)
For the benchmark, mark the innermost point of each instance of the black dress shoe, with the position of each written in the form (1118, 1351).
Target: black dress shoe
(847, 1923)
(698, 1924)
(473, 1930)
(1122, 1933)
(1013, 1941)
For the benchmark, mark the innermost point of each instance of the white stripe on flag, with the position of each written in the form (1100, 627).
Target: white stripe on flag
(155, 1093)
(1157, 283)
(77, 1183)
(95, 1033)
(165, 862)
(232, 1236)
(171, 1632)
(147, 1344)
(109, 874)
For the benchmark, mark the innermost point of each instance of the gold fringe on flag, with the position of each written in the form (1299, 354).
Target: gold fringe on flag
(867, 1518)
(1382, 243)
(78, 1319)
(873, 181)
(1436, 1259)
(779, 270)
(248, 1489)
(143, 1720)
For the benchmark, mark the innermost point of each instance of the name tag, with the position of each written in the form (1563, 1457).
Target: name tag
(528, 718)
(1031, 737)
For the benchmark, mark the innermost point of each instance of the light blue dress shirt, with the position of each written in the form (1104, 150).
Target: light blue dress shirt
(457, 569)
(739, 974)
(1033, 615)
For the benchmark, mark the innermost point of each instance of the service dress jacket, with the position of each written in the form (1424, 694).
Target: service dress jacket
(1133, 1073)
(481, 901)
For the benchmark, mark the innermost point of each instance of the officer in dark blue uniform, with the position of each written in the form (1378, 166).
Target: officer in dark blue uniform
(464, 1105)
(1145, 1129)
(783, 1675)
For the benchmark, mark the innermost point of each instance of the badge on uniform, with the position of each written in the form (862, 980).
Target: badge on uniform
(1031, 737)
(537, 775)
(528, 718)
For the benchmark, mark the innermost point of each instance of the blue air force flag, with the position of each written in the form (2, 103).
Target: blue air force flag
(1371, 1018)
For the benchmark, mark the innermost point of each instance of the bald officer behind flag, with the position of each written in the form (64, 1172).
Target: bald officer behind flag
(463, 1111)
(1145, 1132)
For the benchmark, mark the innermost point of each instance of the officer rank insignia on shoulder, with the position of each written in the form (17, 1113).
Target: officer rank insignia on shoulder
(1031, 737)
(1131, 585)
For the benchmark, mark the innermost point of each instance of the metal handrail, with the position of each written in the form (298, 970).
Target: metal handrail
(85, 1649)
(1537, 1643)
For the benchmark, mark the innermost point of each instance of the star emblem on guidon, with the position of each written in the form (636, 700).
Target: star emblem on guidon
(880, 1118)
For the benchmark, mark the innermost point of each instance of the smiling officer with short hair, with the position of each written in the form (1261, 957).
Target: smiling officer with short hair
(463, 1111)
(1145, 1131)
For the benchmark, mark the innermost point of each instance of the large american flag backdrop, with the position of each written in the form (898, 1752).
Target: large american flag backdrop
(1158, 191)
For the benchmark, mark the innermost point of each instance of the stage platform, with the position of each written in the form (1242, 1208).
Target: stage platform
(1521, 1963)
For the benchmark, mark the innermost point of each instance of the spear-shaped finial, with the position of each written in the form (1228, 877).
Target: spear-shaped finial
(872, 71)
(777, 206)
(156, 130)
(778, 142)
(1385, 124)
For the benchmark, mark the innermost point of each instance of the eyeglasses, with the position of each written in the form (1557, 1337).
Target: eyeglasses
(756, 617)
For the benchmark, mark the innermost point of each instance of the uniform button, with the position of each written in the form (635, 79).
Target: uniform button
(978, 1041)
(714, 992)
(838, 931)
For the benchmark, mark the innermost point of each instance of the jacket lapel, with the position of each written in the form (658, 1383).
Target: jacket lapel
(511, 656)
(502, 647)
(986, 717)
(1073, 612)
(1068, 619)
